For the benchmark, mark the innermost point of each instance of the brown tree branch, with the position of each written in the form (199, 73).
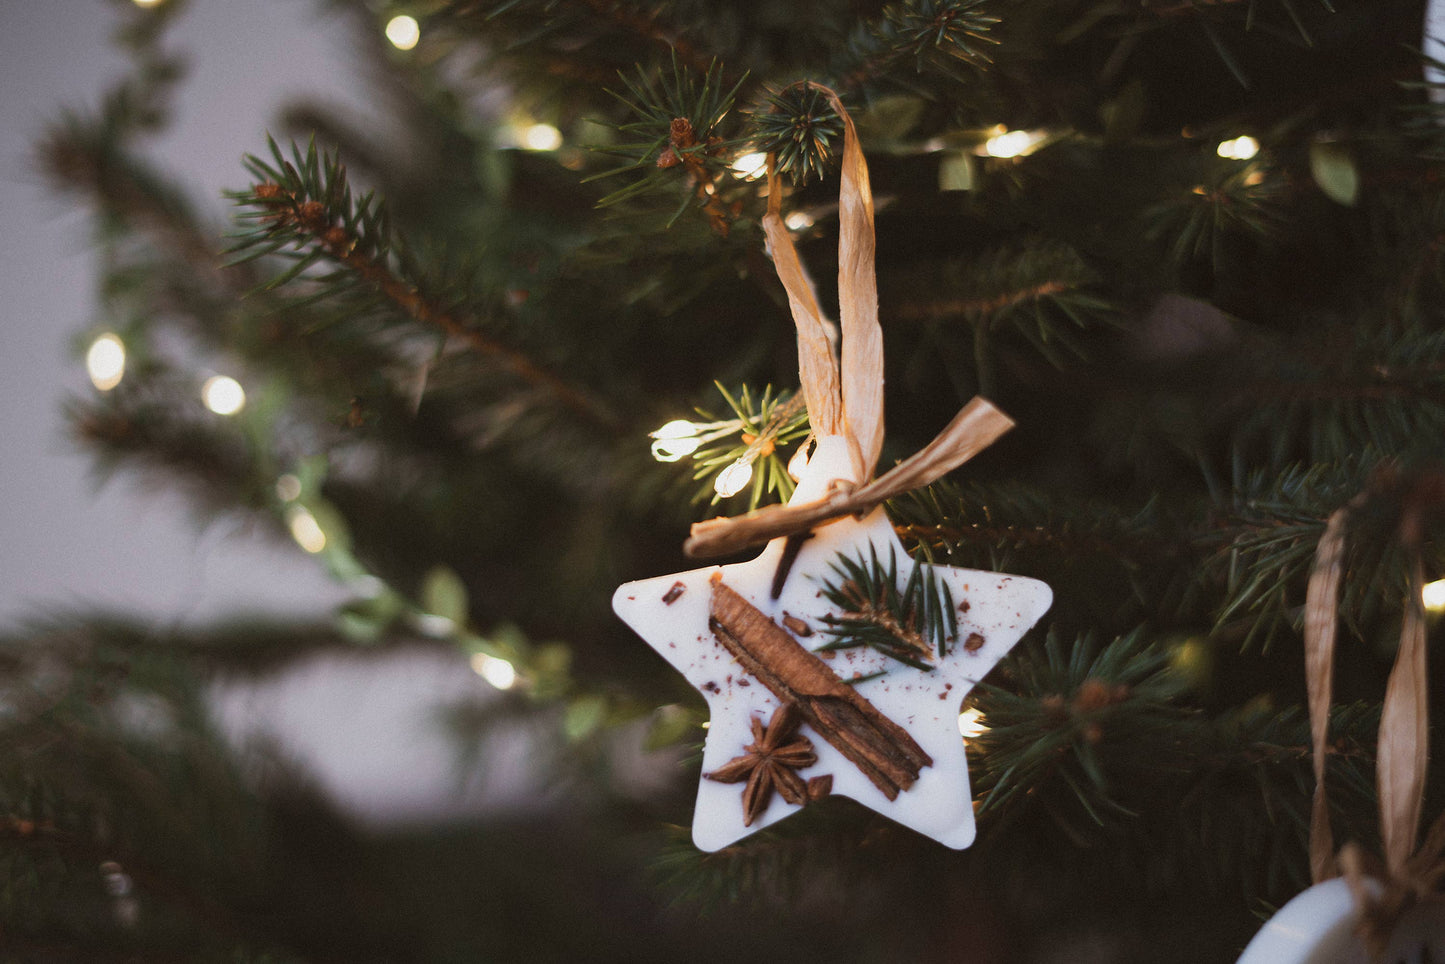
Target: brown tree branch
(311, 218)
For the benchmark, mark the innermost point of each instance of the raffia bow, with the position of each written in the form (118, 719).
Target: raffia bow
(1408, 874)
(845, 395)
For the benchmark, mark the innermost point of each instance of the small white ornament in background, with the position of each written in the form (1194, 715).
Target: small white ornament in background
(1318, 927)
(673, 613)
(1434, 47)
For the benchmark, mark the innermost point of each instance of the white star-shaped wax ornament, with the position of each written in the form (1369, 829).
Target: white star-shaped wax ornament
(672, 613)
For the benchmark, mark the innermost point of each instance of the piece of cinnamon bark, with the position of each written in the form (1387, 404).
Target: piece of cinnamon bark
(880, 748)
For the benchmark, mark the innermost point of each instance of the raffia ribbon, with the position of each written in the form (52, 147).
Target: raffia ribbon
(845, 396)
(1408, 874)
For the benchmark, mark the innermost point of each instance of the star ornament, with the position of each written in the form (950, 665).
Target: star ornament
(880, 721)
(752, 637)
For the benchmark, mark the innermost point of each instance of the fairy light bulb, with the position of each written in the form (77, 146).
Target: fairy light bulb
(495, 670)
(675, 440)
(673, 449)
(1433, 596)
(734, 478)
(1238, 149)
(1013, 143)
(970, 724)
(105, 361)
(751, 166)
(677, 428)
(403, 32)
(305, 529)
(541, 137)
(223, 395)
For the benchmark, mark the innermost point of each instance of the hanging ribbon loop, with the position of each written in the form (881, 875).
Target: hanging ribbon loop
(1408, 874)
(845, 394)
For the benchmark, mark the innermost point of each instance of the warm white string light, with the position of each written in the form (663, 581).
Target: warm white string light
(680, 438)
(798, 220)
(541, 137)
(970, 724)
(734, 478)
(305, 529)
(675, 440)
(105, 361)
(403, 32)
(495, 670)
(1240, 148)
(288, 488)
(1433, 596)
(223, 395)
(1008, 143)
(752, 166)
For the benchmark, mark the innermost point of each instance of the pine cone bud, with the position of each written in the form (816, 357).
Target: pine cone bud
(313, 213)
(337, 239)
(681, 134)
(1095, 694)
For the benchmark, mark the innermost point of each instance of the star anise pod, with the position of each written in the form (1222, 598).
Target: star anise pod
(770, 763)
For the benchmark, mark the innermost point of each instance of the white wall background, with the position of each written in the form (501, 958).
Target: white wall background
(366, 729)
(64, 542)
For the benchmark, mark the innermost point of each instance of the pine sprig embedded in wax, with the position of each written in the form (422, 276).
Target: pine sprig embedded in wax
(913, 625)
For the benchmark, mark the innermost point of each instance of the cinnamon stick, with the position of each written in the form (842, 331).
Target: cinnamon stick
(880, 748)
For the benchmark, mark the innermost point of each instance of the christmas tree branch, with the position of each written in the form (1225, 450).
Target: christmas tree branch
(307, 205)
(678, 116)
(310, 219)
(938, 34)
(975, 307)
(82, 156)
(143, 426)
(647, 23)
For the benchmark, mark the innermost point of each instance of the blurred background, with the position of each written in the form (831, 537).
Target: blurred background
(72, 538)
(68, 540)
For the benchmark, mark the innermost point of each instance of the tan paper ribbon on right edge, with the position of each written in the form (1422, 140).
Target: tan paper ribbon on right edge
(845, 399)
(1403, 742)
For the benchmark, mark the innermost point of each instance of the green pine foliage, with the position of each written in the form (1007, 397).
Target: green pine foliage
(755, 435)
(455, 348)
(914, 625)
